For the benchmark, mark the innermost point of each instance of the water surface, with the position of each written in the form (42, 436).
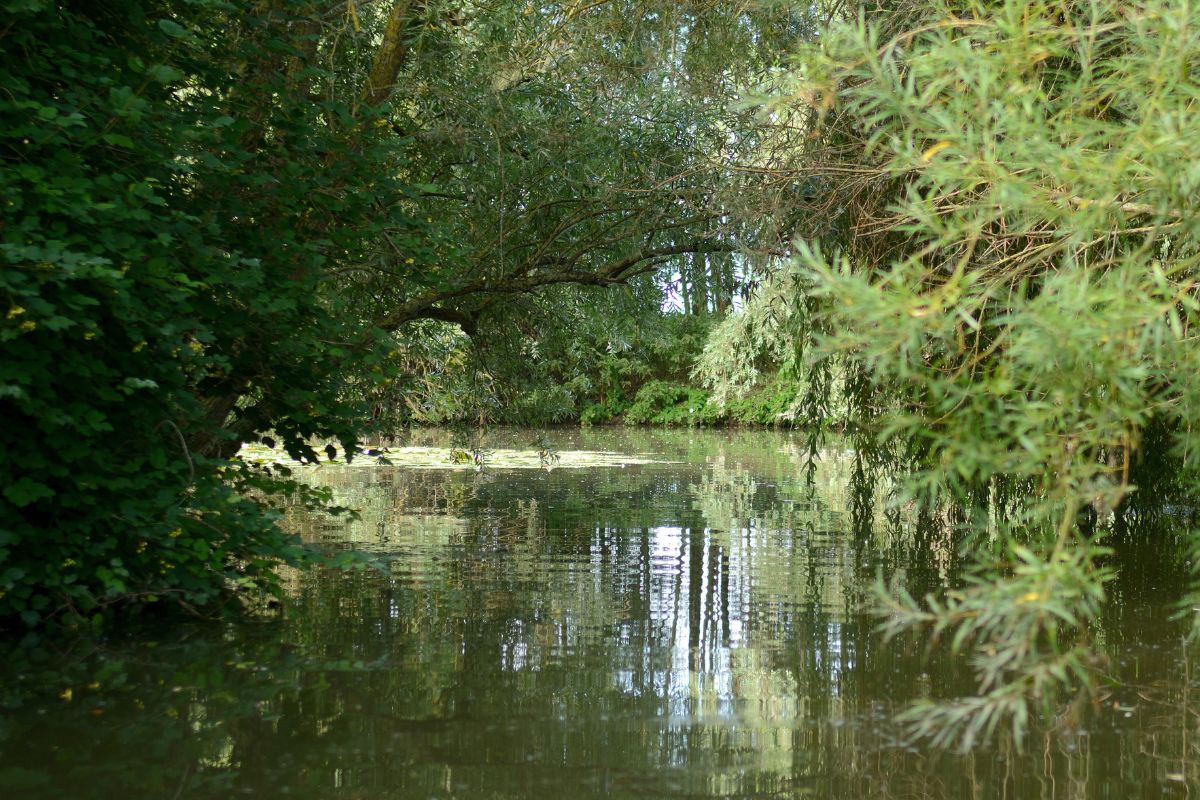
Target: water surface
(696, 626)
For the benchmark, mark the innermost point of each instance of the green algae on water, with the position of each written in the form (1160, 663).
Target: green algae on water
(442, 458)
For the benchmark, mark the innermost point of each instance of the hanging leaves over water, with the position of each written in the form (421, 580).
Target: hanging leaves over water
(1009, 295)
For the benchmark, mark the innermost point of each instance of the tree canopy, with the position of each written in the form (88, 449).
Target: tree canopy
(228, 223)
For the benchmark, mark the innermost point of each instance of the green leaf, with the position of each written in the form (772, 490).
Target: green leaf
(117, 140)
(163, 73)
(129, 385)
(171, 28)
(26, 491)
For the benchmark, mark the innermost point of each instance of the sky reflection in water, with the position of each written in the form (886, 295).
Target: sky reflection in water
(686, 629)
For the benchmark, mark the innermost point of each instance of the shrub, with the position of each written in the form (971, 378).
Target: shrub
(662, 403)
(172, 204)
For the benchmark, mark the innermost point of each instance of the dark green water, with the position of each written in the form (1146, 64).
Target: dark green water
(690, 629)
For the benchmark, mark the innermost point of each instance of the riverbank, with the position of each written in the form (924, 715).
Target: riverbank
(773, 403)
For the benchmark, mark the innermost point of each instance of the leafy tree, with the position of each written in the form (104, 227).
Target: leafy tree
(176, 206)
(568, 148)
(560, 149)
(1006, 288)
(226, 223)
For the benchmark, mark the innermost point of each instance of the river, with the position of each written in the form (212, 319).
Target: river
(683, 617)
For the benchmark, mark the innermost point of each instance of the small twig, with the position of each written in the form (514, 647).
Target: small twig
(187, 771)
(183, 446)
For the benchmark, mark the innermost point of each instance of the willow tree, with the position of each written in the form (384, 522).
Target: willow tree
(1005, 284)
(564, 149)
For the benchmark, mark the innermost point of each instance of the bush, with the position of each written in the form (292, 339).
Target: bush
(662, 403)
(773, 402)
(602, 412)
(165, 244)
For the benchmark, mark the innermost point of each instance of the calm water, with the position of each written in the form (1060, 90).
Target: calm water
(690, 628)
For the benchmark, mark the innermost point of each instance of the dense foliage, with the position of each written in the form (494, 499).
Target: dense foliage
(301, 220)
(571, 148)
(172, 217)
(287, 221)
(1007, 298)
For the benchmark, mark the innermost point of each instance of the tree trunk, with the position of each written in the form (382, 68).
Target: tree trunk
(699, 270)
(393, 51)
(720, 289)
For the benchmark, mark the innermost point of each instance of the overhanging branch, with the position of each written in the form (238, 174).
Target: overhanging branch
(431, 306)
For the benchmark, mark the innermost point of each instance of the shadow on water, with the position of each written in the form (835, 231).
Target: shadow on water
(697, 627)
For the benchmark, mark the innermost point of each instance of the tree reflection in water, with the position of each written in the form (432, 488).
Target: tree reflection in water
(690, 629)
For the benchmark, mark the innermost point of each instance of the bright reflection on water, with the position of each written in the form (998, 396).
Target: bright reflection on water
(689, 629)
